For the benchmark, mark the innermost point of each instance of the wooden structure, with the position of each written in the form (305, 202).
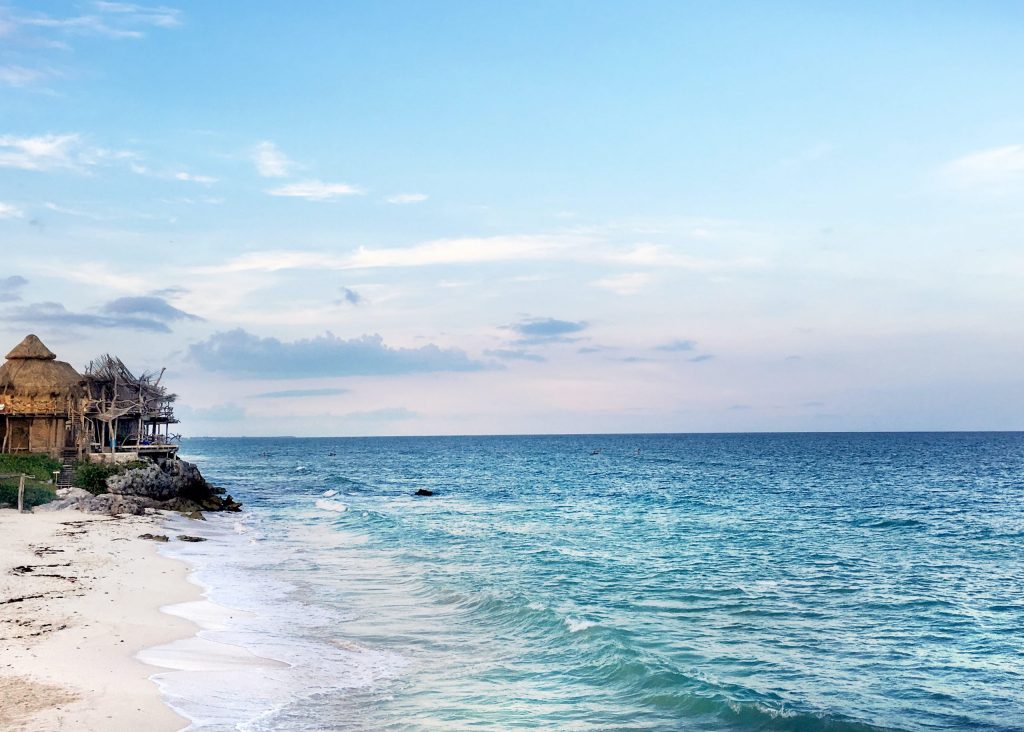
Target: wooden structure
(39, 400)
(47, 406)
(127, 413)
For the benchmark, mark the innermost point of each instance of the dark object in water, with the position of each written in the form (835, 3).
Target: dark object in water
(331, 454)
(186, 537)
(596, 452)
(424, 492)
(154, 537)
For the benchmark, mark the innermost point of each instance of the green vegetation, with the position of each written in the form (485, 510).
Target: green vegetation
(93, 476)
(34, 465)
(36, 492)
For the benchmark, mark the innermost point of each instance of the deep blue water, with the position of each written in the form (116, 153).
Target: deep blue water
(668, 582)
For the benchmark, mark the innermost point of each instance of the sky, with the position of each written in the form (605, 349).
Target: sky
(401, 218)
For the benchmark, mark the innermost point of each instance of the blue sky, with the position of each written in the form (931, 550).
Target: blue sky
(422, 218)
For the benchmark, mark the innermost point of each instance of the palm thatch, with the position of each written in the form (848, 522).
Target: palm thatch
(32, 373)
(31, 348)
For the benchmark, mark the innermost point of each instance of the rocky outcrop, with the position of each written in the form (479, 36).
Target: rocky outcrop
(174, 485)
(147, 482)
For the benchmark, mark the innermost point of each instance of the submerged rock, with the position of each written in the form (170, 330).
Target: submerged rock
(424, 492)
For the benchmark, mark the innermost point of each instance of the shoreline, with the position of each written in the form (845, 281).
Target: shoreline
(81, 596)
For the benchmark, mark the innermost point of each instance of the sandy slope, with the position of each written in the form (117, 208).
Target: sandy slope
(79, 597)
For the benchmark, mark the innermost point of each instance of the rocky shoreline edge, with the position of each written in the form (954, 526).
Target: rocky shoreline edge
(169, 484)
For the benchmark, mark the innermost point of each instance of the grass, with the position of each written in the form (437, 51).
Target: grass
(36, 492)
(34, 465)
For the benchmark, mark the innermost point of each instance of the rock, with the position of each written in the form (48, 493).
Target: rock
(61, 505)
(72, 492)
(113, 504)
(186, 537)
(195, 516)
(154, 537)
(424, 492)
(147, 482)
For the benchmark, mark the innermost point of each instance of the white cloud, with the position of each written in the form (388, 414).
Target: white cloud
(21, 76)
(441, 251)
(53, 152)
(407, 198)
(42, 152)
(574, 247)
(204, 179)
(10, 211)
(271, 162)
(629, 283)
(160, 16)
(656, 255)
(316, 190)
(995, 167)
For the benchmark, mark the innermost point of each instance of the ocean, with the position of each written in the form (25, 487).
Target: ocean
(632, 582)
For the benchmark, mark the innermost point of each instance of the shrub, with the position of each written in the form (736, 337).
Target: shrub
(36, 492)
(35, 465)
(93, 476)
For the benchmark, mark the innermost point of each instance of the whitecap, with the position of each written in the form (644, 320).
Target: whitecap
(575, 625)
(328, 494)
(336, 506)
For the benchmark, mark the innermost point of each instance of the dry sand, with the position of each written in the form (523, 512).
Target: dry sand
(80, 595)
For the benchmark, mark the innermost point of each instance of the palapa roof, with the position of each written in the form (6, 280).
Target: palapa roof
(32, 369)
(32, 347)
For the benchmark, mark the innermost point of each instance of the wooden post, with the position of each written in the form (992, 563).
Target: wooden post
(21, 494)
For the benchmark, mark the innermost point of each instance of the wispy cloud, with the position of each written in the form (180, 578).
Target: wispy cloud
(111, 20)
(300, 393)
(536, 331)
(510, 354)
(441, 251)
(10, 288)
(53, 152)
(677, 346)
(994, 168)
(316, 190)
(564, 247)
(53, 313)
(194, 178)
(401, 198)
(160, 16)
(149, 306)
(246, 354)
(23, 76)
(10, 211)
(271, 162)
(629, 283)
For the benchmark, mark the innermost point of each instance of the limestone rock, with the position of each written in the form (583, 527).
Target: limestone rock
(147, 482)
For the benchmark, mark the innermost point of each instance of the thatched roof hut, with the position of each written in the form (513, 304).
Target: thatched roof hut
(33, 379)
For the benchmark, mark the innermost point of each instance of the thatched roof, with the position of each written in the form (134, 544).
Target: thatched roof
(32, 347)
(32, 370)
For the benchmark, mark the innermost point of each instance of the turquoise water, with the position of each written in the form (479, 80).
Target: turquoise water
(667, 582)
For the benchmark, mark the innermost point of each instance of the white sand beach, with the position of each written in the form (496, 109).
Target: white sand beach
(80, 596)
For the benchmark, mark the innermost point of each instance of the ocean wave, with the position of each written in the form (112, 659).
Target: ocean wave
(334, 506)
